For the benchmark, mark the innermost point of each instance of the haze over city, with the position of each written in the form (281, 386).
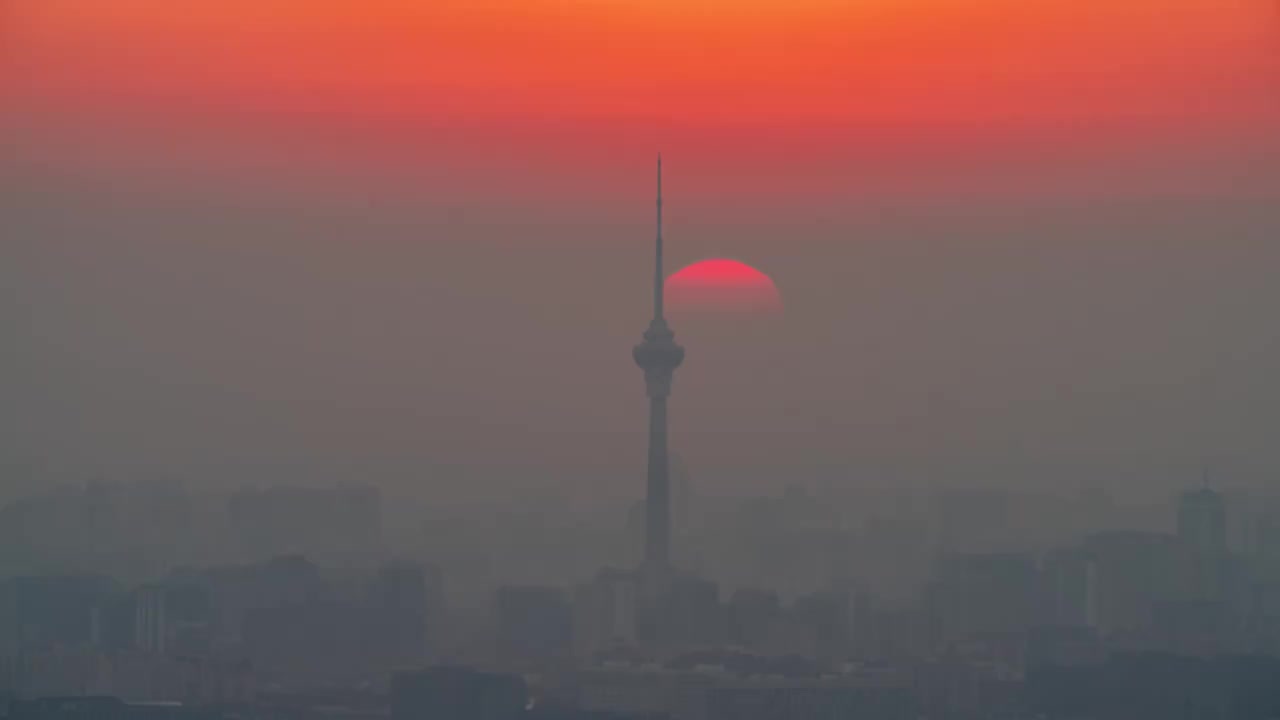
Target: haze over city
(950, 276)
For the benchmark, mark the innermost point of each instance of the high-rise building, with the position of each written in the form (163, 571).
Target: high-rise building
(1202, 531)
(1202, 521)
(535, 623)
(659, 356)
(985, 594)
(403, 594)
(687, 614)
(1070, 589)
(605, 613)
(1132, 574)
(752, 615)
(151, 623)
(43, 612)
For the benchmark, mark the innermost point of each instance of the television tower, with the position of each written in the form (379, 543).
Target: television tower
(658, 355)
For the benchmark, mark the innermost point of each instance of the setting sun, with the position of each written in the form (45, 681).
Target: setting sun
(721, 284)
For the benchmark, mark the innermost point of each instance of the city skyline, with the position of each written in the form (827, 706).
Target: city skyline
(316, 400)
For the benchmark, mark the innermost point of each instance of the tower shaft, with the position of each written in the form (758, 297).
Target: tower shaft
(657, 550)
(658, 355)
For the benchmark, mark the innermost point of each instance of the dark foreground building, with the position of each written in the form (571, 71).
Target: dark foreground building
(452, 693)
(1158, 686)
(100, 708)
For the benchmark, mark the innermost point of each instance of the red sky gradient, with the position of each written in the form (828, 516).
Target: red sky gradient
(795, 92)
(333, 232)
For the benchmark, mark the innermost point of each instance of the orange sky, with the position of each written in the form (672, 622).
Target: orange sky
(917, 70)
(704, 60)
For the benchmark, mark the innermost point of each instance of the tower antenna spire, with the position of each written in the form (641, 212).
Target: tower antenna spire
(659, 280)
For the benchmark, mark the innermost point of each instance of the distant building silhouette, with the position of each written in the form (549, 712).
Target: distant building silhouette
(1070, 589)
(151, 624)
(1202, 529)
(1202, 521)
(687, 614)
(752, 615)
(406, 593)
(985, 594)
(605, 613)
(534, 624)
(1134, 572)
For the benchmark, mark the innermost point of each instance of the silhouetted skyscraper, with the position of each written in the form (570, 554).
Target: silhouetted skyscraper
(151, 625)
(605, 613)
(401, 595)
(658, 355)
(1202, 528)
(1202, 521)
(535, 623)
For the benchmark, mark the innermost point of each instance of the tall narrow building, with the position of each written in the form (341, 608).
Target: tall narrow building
(658, 355)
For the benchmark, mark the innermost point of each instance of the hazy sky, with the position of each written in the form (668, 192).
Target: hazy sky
(407, 240)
